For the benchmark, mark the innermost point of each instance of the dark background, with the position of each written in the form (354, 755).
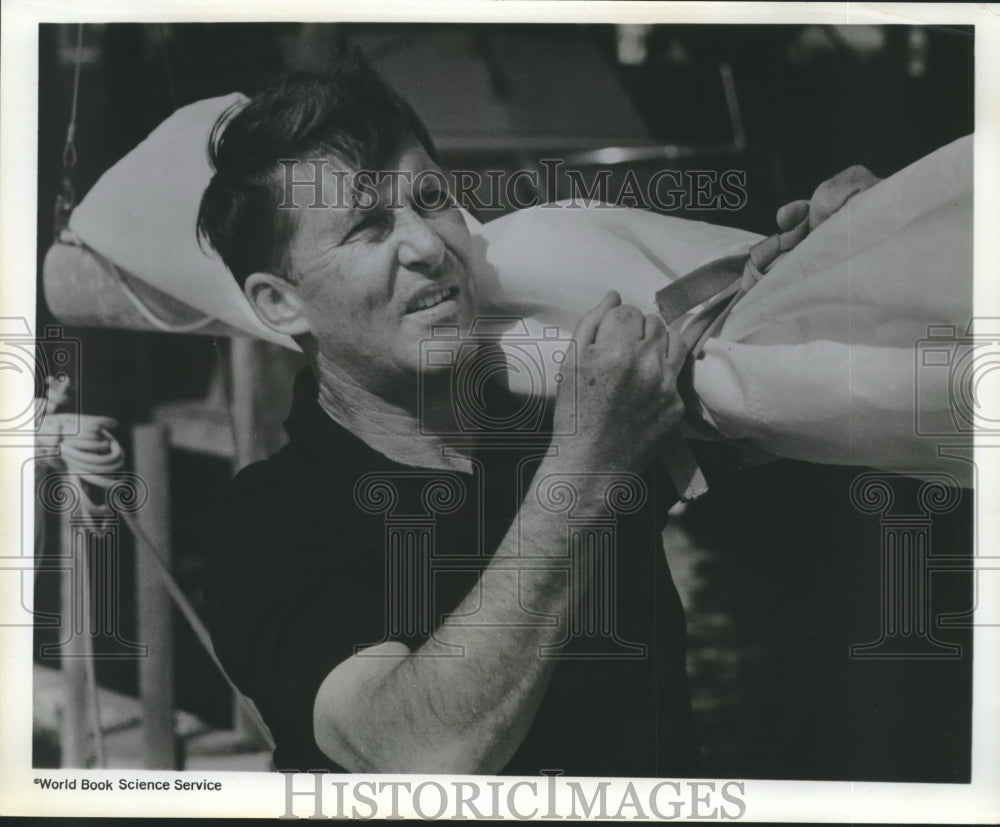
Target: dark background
(785, 572)
(813, 100)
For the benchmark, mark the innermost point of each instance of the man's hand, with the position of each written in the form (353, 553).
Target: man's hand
(388, 709)
(625, 379)
(829, 197)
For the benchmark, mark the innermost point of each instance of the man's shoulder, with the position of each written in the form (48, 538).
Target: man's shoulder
(285, 521)
(289, 484)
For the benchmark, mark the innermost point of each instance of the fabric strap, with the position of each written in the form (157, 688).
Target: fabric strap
(718, 286)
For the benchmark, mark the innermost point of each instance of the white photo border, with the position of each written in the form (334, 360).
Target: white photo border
(261, 794)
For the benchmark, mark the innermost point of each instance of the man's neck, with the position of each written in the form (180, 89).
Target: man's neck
(398, 431)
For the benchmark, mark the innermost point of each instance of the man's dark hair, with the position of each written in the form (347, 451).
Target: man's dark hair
(348, 112)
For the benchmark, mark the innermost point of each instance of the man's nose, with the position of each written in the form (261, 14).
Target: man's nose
(419, 245)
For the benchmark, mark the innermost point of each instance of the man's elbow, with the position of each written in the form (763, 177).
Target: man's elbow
(461, 756)
(362, 728)
(448, 754)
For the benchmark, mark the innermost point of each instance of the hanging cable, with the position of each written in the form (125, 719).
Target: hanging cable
(69, 150)
(66, 199)
(168, 70)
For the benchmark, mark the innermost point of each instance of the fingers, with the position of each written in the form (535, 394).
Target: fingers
(612, 320)
(624, 322)
(586, 329)
(855, 178)
(831, 195)
(655, 328)
(677, 350)
(657, 340)
(828, 197)
(791, 215)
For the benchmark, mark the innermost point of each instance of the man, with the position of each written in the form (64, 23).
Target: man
(400, 590)
(540, 650)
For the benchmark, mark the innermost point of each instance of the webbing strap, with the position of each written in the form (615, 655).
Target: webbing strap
(725, 277)
(765, 253)
(698, 286)
(718, 285)
(685, 473)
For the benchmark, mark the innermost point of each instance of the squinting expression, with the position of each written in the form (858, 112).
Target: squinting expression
(375, 277)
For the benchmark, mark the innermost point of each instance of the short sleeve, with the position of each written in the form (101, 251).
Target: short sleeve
(294, 589)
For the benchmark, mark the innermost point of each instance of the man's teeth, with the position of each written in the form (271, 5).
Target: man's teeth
(431, 299)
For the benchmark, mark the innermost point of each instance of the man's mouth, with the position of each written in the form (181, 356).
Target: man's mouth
(430, 297)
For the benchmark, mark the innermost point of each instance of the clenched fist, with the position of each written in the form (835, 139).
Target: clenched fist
(620, 396)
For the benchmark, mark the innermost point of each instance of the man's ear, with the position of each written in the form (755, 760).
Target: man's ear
(276, 303)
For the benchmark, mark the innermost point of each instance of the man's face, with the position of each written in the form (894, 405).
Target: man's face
(375, 275)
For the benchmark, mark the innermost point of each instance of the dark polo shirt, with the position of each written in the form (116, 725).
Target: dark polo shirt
(328, 547)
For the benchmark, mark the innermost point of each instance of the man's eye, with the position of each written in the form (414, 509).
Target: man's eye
(372, 227)
(434, 197)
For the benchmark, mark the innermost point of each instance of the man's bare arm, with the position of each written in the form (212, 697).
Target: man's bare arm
(391, 710)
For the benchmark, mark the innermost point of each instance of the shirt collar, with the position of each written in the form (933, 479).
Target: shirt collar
(313, 431)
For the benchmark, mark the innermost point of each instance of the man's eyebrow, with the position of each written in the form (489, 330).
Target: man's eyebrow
(355, 218)
(368, 193)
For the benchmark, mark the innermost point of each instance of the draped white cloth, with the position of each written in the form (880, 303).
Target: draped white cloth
(819, 361)
(822, 359)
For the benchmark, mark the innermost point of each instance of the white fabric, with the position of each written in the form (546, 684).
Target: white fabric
(142, 215)
(826, 345)
(817, 362)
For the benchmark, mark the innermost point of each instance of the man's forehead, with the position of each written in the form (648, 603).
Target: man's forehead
(330, 180)
(412, 157)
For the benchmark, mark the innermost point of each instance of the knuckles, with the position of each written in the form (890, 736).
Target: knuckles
(833, 192)
(861, 173)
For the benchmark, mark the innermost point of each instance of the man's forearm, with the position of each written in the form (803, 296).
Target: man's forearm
(426, 711)
(468, 713)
